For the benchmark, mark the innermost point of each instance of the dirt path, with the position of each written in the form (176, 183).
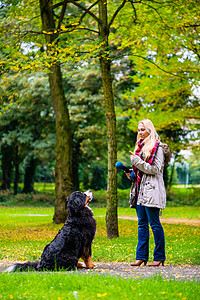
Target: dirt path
(127, 271)
(193, 222)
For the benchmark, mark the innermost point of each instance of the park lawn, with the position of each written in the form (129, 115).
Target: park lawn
(25, 231)
(181, 212)
(65, 285)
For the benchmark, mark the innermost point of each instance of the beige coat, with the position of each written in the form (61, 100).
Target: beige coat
(152, 189)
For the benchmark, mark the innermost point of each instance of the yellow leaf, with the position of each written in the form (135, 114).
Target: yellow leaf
(101, 295)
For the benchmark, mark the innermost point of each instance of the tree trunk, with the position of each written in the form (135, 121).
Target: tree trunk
(105, 63)
(7, 153)
(17, 174)
(63, 172)
(29, 176)
(171, 176)
(165, 177)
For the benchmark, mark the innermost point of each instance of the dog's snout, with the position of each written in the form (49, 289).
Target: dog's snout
(89, 194)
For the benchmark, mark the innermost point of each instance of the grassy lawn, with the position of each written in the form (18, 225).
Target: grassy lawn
(61, 285)
(182, 212)
(25, 231)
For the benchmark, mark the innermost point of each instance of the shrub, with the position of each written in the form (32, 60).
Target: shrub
(9, 199)
(5, 196)
(184, 196)
(176, 197)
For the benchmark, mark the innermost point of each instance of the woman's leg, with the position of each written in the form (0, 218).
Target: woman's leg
(154, 221)
(142, 252)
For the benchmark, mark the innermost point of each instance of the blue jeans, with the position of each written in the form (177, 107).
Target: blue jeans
(149, 215)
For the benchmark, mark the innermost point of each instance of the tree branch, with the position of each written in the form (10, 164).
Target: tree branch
(62, 14)
(191, 25)
(58, 4)
(81, 28)
(71, 28)
(135, 12)
(116, 13)
(153, 8)
(150, 61)
(87, 11)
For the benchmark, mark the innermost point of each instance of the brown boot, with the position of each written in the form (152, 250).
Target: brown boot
(156, 263)
(138, 262)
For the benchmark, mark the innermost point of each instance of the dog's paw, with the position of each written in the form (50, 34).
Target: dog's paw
(91, 266)
(80, 265)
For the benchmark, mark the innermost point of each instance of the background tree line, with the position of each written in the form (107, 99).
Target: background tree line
(148, 54)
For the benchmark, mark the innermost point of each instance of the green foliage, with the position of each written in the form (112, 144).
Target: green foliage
(26, 125)
(176, 197)
(98, 179)
(184, 196)
(194, 166)
(29, 117)
(165, 54)
(44, 195)
(8, 199)
(84, 93)
(155, 58)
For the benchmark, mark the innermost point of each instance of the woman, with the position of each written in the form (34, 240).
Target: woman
(149, 192)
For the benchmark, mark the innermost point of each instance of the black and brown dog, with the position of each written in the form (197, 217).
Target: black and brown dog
(72, 242)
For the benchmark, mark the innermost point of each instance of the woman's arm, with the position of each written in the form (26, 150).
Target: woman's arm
(145, 167)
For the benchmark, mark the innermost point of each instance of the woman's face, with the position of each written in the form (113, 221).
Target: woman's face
(143, 133)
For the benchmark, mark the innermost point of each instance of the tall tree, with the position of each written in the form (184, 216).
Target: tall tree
(63, 170)
(103, 25)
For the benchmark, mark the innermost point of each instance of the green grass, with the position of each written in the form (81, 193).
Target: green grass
(182, 212)
(61, 285)
(25, 231)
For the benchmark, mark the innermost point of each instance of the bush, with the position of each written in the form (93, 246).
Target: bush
(5, 196)
(99, 199)
(9, 199)
(176, 197)
(184, 196)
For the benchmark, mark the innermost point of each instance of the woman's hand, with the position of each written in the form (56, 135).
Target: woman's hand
(132, 154)
(128, 175)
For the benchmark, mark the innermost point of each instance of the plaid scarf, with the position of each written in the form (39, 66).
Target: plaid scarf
(150, 160)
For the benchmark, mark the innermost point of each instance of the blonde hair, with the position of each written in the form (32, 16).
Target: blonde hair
(150, 140)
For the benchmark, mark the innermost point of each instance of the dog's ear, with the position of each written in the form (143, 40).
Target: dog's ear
(77, 204)
(76, 201)
(66, 202)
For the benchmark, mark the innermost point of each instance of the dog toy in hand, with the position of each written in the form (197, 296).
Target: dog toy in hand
(120, 165)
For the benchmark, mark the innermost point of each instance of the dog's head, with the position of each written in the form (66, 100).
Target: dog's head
(77, 201)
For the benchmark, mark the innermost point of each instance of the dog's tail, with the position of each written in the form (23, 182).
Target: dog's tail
(28, 266)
